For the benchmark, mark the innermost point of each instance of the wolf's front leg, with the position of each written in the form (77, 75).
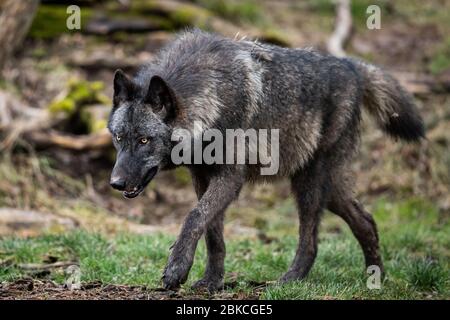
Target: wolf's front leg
(223, 188)
(215, 269)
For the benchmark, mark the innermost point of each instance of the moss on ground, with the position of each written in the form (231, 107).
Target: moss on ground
(79, 92)
(50, 21)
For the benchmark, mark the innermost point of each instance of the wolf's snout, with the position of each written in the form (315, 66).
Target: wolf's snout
(118, 183)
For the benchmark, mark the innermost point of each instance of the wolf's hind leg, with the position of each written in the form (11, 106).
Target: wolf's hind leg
(360, 222)
(307, 186)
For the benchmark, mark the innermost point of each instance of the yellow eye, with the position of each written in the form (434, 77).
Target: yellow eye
(118, 138)
(143, 140)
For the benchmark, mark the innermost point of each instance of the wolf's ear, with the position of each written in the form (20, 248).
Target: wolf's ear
(123, 86)
(161, 97)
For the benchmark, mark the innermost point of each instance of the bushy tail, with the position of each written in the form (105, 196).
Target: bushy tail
(390, 104)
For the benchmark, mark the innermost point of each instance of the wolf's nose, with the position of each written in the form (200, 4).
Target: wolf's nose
(117, 183)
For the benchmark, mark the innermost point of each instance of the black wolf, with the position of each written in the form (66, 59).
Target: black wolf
(313, 99)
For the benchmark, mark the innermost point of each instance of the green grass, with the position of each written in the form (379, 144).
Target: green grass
(414, 243)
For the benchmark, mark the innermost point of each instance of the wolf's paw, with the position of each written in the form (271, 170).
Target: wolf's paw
(290, 276)
(210, 284)
(174, 276)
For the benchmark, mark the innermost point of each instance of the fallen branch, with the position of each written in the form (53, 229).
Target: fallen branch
(106, 26)
(54, 138)
(46, 266)
(103, 58)
(16, 219)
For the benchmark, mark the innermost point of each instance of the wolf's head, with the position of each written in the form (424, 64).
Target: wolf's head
(141, 135)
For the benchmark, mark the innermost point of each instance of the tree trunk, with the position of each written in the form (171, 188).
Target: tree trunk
(342, 29)
(15, 20)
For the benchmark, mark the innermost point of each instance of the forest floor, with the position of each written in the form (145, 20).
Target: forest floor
(120, 246)
(414, 244)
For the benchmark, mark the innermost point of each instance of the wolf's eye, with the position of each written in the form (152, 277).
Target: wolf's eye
(118, 138)
(143, 140)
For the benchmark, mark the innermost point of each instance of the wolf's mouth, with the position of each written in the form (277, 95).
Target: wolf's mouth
(137, 190)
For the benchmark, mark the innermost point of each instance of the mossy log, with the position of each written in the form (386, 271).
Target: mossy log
(41, 128)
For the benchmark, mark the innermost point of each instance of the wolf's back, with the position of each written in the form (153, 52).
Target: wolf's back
(390, 104)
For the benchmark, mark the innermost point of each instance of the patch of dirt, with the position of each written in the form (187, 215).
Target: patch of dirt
(399, 45)
(30, 289)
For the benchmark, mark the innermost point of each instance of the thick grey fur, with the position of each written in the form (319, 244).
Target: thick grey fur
(314, 99)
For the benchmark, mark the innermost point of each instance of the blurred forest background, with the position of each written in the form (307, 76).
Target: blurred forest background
(56, 155)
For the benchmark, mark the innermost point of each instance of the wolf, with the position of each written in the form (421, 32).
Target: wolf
(314, 99)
